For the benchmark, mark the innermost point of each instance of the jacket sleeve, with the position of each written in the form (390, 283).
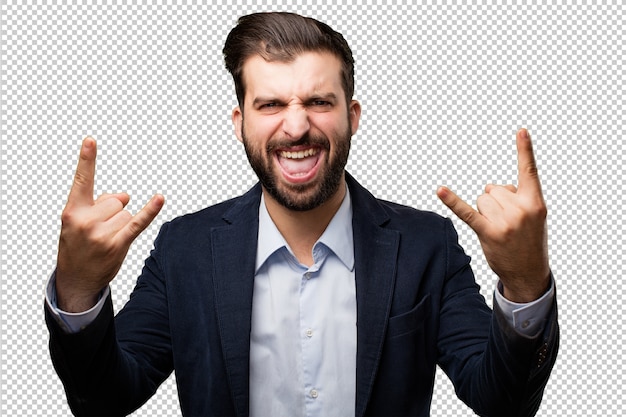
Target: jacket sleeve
(115, 365)
(495, 372)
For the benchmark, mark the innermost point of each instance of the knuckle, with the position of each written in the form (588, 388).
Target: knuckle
(85, 227)
(531, 170)
(507, 232)
(76, 219)
(134, 228)
(126, 215)
(100, 239)
(541, 212)
(114, 203)
(469, 216)
(81, 179)
(483, 200)
(103, 197)
(536, 209)
(77, 223)
(67, 216)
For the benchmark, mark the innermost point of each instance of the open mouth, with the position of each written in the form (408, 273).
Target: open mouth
(299, 165)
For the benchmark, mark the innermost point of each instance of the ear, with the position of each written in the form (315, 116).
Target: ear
(354, 115)
(237, 118)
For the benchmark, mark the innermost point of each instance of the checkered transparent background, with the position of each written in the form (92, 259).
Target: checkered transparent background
(444, 87)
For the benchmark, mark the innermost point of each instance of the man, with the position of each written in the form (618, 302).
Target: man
(306, 295)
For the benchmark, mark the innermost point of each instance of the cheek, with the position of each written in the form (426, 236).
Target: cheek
(261, 129)
(330, 124)
(337, 129)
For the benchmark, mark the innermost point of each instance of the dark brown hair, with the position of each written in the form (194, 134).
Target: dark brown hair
(281, 36)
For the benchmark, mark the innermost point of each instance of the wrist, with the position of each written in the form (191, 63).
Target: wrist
(73, 301)
(527, 292)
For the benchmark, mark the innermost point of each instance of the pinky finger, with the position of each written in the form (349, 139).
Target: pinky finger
(141, 220)
(463, 210)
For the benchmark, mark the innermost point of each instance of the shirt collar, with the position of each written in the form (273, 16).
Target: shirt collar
(337, 237)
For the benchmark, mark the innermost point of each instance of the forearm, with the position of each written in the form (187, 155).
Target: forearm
(496, 369)
(100, 377)
(113, 365)
(83, 361)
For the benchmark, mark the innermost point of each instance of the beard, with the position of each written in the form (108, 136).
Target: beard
(301, 197)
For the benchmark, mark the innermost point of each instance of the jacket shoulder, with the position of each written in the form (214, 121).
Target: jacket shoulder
(220, 214)
(403, 217)
(189, 233)
(366, 207)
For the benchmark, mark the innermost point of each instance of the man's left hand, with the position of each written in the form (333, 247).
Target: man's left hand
(511, 225)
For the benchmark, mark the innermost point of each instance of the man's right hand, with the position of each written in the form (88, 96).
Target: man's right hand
(95, 236)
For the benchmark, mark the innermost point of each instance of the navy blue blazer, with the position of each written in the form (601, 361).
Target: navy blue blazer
(418, 306)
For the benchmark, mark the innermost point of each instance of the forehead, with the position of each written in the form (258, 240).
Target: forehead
(310, 73)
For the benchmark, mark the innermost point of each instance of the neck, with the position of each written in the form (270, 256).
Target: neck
(301, 229)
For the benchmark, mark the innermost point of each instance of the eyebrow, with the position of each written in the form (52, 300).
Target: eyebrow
(272, 99)
(324, 96)
(260, 100)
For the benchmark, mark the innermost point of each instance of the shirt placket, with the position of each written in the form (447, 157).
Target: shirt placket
(311, 339)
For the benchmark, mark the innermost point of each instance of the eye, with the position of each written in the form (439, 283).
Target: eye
(320, 104)
(269, 107)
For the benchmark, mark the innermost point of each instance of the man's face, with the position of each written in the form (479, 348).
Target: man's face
(297, 127)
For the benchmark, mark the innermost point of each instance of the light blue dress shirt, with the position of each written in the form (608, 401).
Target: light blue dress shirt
(303, 337)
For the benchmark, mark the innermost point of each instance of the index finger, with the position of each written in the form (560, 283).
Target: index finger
(528, 175)
(82, 188)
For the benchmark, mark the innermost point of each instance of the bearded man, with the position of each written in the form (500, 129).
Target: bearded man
(307, 295)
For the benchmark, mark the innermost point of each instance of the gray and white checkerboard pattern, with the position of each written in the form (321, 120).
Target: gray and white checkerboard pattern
(444, 87)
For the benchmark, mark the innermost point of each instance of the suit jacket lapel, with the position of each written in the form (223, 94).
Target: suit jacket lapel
(234, 252)
(376, 251)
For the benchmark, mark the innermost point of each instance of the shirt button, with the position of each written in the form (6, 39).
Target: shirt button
(314, 393)
(525, 324)
(309, 333)
(307, 275)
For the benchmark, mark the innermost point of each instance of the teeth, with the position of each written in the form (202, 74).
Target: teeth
(299, 154)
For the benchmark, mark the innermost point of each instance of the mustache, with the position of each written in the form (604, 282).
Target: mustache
(306, 140)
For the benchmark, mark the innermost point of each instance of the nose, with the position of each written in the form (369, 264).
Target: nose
(296, 122)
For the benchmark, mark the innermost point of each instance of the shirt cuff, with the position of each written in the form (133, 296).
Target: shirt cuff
(526, 318)
(72, 322)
